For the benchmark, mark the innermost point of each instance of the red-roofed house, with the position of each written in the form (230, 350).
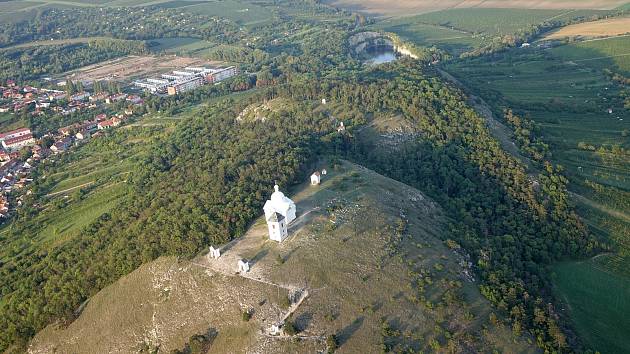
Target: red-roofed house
(18, 142)
(15, 133)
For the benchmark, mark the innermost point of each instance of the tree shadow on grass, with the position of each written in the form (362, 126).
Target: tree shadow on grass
(348, 331)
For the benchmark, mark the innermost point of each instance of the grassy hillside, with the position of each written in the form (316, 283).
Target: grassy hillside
(568, 96)
(75, 190)
(368, 249)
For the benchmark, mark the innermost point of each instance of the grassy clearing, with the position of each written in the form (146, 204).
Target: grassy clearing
(182, 46)
(604, 53)
(600, 316)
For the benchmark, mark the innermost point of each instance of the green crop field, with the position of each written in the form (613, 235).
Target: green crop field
(602, 316)
(569, 101)
(428, 35)
(182, 46)
(488, 21)
(599, 53)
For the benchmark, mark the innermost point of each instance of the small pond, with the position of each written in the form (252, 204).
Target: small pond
(380, 55)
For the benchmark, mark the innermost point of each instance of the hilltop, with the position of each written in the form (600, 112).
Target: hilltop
(366, 261)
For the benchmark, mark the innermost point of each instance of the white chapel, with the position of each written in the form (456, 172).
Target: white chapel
(279, 212)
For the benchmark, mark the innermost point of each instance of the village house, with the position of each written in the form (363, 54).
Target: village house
(82, 135)
(100, 117)
(80, 96)
(106, 124)
(115, 98)
(137, 100)
(15, 133)
(61, 145)
(57, 96)
(99, 97)
(18, 142)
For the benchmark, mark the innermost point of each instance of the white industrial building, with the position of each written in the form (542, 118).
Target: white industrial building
(179, 81)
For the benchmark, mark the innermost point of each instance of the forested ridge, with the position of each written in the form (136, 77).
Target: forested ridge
(23, 64)
(513, 225)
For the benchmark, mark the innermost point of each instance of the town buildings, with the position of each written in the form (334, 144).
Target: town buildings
(190, 78)
(16, 139)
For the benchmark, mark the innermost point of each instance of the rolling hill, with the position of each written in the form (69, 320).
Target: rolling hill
(367, 254)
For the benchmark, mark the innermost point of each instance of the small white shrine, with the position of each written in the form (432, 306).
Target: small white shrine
(341, 128)
(316, 178)
(214, 253)
(243, 265)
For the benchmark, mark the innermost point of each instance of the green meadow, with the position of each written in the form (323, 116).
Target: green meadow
(598, 302)
(599, 53)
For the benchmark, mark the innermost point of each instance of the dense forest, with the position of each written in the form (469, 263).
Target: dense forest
(122, 23)
(30, 63)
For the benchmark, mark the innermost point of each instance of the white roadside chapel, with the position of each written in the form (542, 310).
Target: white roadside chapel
(279, 212)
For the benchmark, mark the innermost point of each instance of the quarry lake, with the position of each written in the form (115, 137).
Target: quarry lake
(380, 56)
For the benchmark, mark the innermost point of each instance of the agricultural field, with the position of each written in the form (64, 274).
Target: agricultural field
(488, 21)
(601, 28)
(182, 46)
(243, 12)
(366, 284)
(600, 315)
(451, 40)
(569, 101)
(409, 7)
(612, 53)
(459, 30)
